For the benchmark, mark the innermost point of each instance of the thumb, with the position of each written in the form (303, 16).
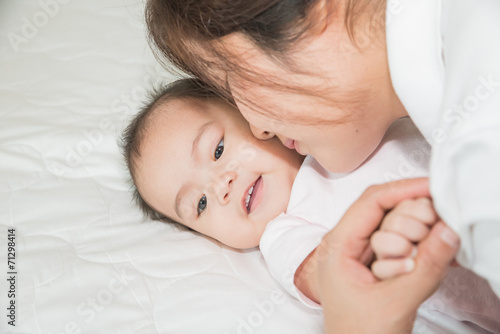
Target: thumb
(436, 253)
(434, 256)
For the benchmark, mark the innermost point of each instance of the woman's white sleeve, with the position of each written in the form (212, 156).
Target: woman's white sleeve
(465, 163)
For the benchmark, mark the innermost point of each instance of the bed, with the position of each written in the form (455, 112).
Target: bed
(77, 255)
(73, 73)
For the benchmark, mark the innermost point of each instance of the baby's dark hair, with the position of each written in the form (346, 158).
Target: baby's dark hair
(136, 131)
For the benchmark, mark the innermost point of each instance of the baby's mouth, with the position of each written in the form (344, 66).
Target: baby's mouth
(251, 194)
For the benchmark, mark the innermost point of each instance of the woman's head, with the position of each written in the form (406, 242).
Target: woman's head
(312, 72)
(190, 32)
(196, 35)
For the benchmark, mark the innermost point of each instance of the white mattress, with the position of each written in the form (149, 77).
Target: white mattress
(72, 73)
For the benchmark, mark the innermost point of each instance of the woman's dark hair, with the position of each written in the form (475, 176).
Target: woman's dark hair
(189, 33)
(137, 130)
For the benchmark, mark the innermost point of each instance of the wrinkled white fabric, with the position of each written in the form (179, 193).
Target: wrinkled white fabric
(444, 58)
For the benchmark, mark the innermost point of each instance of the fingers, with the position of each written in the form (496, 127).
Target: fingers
(437, 250)
(385, 269)
(391, 245)
(394, 300)
(420, 209)
(365, 215)
(403, 226)
(435, 253)
(411, 218)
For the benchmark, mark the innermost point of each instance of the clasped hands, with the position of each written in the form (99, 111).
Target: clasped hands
(395, 223)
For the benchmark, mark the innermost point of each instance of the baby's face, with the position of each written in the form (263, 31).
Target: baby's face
(201, 166)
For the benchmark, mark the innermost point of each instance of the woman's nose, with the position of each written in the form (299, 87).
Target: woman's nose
(225, 186)
(261, 133)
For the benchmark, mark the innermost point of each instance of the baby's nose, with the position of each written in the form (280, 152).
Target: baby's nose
(225, 186)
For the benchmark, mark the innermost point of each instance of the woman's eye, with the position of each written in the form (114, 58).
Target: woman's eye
(202, 204)
(219, 149)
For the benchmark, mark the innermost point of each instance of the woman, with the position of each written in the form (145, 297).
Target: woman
(316, 74)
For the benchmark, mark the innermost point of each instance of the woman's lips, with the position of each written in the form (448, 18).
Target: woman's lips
(290, 143)
(293, 145)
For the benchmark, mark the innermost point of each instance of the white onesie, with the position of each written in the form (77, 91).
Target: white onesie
(319, 199)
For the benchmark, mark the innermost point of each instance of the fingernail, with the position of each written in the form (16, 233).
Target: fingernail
(450, 237)
(409, 265)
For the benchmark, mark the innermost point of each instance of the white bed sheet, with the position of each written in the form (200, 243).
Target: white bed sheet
(72, 73)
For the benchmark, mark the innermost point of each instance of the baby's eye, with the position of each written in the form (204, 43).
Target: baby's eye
(202, 204)
(219, 149)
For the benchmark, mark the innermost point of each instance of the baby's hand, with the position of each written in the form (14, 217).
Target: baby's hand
(394, 244)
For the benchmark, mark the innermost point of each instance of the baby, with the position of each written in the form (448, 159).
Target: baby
(195, 162)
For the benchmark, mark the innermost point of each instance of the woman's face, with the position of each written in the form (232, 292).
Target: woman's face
(340, 106)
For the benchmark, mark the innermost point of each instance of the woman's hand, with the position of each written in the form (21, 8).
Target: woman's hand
(353, 300)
